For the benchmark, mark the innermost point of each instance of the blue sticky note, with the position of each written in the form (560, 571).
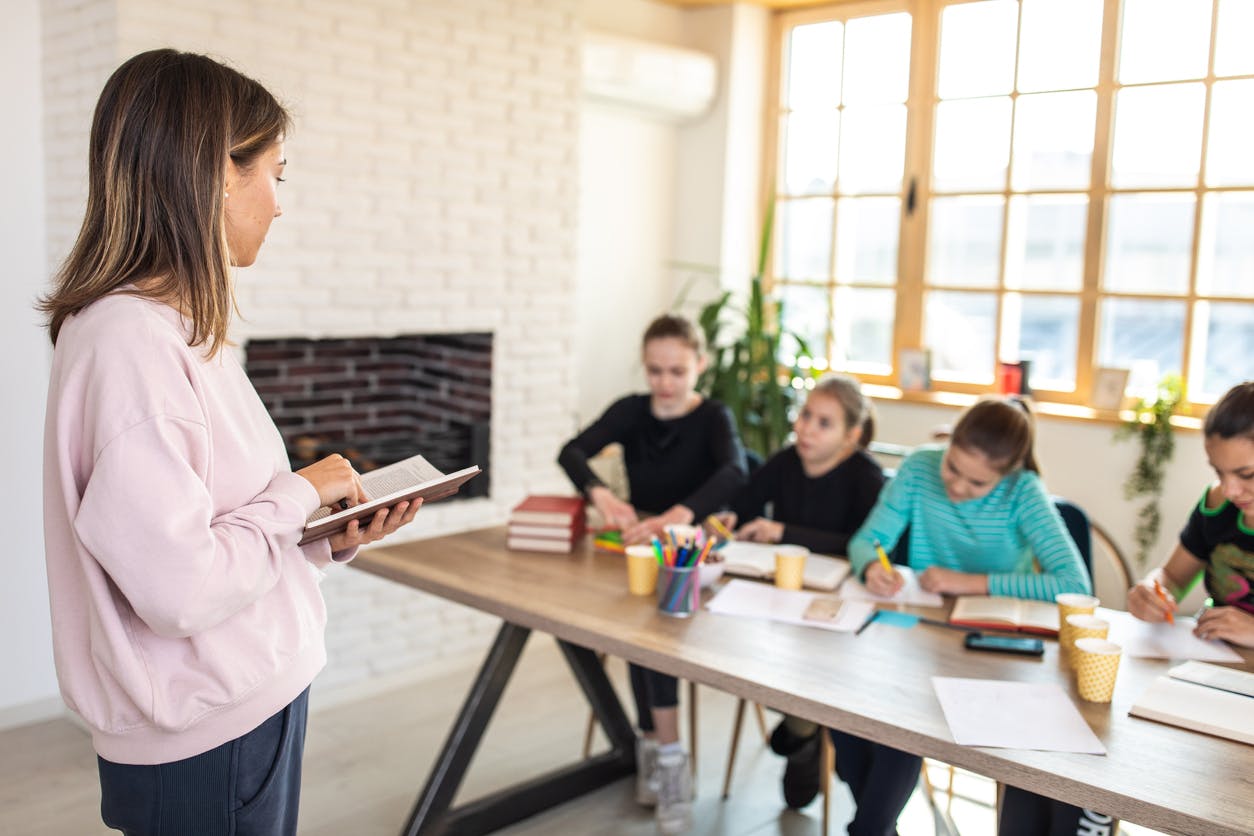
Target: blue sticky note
(896, 619)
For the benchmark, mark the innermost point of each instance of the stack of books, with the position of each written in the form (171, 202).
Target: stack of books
(546, 524)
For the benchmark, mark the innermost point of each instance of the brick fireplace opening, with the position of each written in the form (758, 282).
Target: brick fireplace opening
(379, 400)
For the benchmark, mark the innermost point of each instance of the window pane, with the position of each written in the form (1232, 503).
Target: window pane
(1044, 330)
(864, 329)
(810, 151)
(1223, 348)
(1226, 256)
(866, 239)
(977, 49)
(1149, 242)
(805, 313)
(1144, 336)
(1228, 158)
(959, 328)
(1048, 23)
(1045, 242)
(1054, 140)
(805, 239)
(964, 242)
(1233, 35)
(972, 144)
(1164, 40)
(877, 59)
(814, 53)
(1158, 135)
(873, 148)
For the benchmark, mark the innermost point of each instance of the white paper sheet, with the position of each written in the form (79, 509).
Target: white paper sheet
(747, 599)
(1014, 715)
(1141, 639)
(911, 594)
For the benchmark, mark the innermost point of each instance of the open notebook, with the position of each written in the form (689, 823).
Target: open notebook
(757, 560)
(997, 612)
(1203, 698)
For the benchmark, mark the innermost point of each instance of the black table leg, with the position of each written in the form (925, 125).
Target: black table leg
(432, 813)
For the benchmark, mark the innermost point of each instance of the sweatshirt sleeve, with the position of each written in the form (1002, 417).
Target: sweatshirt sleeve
(147, 517)
(609, 428)
(888, 519)
(1062, 568)
(731, 469)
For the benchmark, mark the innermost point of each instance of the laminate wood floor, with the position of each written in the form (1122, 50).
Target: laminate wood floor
(365, 762)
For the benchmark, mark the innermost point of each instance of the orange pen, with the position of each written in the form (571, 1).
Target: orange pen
(1162, 595)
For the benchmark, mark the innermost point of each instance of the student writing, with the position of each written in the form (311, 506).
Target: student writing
(980, 522)
(1217, 543)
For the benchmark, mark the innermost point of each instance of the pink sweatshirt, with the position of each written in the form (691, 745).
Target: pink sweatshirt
(183, 612)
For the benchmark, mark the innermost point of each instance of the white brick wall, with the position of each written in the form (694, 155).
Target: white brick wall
(432, 187)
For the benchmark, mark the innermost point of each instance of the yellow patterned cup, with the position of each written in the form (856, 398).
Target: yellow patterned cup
(1072, 603)
(790, 566)
(641, 570)
(1096, 665)
(1083, 627)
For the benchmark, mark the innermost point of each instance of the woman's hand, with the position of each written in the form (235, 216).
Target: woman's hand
(650, 527)
(383, 523)
(879, 581)
(950, 582)
(1232, 624)
(334, 479)
(761, 530)
(1145, 602)
(617, 514)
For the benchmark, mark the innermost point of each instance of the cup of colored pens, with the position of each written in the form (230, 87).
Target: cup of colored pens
(680, 552)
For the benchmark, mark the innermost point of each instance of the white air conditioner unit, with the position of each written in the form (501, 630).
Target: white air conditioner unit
(664, 81)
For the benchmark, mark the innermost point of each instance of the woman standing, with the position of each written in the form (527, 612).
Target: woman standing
(187, 622)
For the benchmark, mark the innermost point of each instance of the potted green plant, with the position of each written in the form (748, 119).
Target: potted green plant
(1150, 425)
(745, 371)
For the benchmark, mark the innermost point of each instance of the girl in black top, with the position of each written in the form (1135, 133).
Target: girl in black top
(822, 487)
(819, 491)
(684, 461)
(1217, 542)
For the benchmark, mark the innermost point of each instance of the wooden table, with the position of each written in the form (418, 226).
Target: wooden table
(877, 685)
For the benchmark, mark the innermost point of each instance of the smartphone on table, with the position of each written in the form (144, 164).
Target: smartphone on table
(1004, 644)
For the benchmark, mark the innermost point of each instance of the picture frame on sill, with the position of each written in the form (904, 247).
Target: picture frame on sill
(914, 373)
(1108, 389)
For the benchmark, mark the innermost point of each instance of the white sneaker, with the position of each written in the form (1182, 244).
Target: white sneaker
(674, 793)
(646, 771)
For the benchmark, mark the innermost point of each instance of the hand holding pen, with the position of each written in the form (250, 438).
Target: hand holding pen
(881, 578)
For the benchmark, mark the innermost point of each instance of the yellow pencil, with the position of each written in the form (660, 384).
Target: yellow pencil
(718, 526)
(888, 567)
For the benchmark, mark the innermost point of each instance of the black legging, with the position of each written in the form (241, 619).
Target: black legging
(652, 690)
(881, 779)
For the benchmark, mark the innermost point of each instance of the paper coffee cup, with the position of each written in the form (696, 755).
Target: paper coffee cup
(641, 570)
(1096, 666)
(1072, 603)
(790, 566)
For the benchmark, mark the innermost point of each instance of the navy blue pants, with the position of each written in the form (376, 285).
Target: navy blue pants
(881, 779)
(249, 786)
(651, 690)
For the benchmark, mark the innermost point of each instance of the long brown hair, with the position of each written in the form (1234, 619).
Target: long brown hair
(675, 327)
(848, 393)
(1002, 429)
(164, 127)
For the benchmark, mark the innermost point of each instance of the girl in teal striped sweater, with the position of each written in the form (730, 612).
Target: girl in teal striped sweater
(980, 523)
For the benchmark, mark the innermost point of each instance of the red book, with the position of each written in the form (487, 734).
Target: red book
(562, 511)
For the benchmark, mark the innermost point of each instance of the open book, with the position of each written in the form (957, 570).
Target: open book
(997, 612)
(408, 479)
(757, 560)
(1208, 701)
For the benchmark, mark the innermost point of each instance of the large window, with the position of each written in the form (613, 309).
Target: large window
(1068, 182)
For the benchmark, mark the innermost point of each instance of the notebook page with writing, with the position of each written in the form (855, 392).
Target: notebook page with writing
(911, 593)
(1144, 640)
